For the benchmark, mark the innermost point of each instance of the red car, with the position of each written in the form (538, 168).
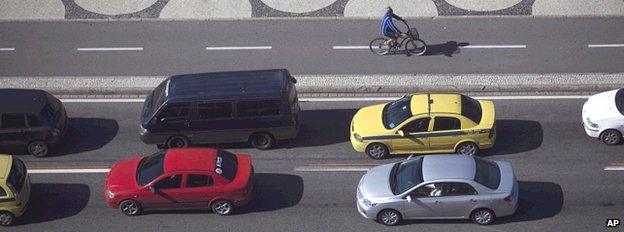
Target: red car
(184, 178)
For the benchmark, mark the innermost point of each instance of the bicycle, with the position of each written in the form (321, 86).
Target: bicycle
(410, 41)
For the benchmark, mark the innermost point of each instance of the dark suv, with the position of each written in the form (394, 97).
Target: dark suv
(31, 118)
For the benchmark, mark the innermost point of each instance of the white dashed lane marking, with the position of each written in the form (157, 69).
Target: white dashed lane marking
(96, 49)
(239, 48)
(7, 49)
(605, 45)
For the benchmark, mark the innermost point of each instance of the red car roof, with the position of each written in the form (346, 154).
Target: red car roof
(190, 159)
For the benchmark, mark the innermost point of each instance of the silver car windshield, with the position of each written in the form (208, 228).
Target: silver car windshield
(405, 175)
(619, 101)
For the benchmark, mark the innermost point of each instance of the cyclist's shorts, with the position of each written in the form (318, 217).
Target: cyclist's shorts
(389, 32)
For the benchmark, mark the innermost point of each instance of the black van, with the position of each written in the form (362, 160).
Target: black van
(258, 106)
(31, 118)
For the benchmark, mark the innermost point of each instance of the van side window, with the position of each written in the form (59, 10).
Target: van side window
(175, 110)
(258, 108)
(33, 120)
(10, 121)
(212, 110)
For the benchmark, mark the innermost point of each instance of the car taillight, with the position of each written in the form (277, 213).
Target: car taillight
(509, 198)
(492, 131)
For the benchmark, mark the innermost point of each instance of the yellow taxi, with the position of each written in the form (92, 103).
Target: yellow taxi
(425, 123)
(14, 189)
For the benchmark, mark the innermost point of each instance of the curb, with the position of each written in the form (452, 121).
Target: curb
(351, 84)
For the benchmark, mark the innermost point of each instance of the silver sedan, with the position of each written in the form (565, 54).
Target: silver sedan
(438, 187)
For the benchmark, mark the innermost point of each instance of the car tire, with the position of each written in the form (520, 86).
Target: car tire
(389, 217)
(467, 148)
(262, 141)
(177, 142)
(38, 148)
(222, 207)
(611, 137)
(130, 207)
(6, 218)
(482, 216)
(377, 151)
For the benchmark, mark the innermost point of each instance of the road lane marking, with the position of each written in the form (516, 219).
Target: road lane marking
(335, 168)
(605, 45)
(7, 49)
(68, 171)
(337, 99)
(110, 49)
(239, 48)
(615, 167)
(513, 46)
(349, 47)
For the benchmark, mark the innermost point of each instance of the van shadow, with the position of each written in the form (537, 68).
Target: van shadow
(515, 136)
(538, 200)
(273, 191)
(49, 202)
(317, 128)
(86, 134)
(447, 49)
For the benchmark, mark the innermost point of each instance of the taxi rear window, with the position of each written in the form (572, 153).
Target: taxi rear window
(471, 109)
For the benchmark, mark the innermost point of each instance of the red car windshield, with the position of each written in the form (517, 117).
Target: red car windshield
(150, 167)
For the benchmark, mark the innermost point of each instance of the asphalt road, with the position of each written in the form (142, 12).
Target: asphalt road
(543, 45)
(563, 186)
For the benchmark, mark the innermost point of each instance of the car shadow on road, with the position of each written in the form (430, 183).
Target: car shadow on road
(515, 136)
(49, 202)
(538, 200)
(273, 191)
(317, 128)
(86, 134)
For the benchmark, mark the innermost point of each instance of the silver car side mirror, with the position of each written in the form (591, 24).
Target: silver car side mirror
(409, 198)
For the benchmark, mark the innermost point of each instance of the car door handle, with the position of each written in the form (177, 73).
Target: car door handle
(473, 200)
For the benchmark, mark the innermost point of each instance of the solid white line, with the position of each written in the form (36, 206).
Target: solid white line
(67, 171)
(329, 169)
(349, 47)
(104, 100)
(605, 45)
(7, 49)
(495, 46)
(329, 99)
(612, 168)
(111, 49)
(239, 48)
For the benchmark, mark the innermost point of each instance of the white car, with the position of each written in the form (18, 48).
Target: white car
(603, 116)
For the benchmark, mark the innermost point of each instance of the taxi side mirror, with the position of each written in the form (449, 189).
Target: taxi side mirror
(401, 133)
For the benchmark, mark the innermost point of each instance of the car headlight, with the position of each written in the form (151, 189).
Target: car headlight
(110, 194)
(367, 203)
(358, 137)
(590, 123)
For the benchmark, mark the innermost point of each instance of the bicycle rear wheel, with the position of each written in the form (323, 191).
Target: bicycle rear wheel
(416, 47)
(379, 46)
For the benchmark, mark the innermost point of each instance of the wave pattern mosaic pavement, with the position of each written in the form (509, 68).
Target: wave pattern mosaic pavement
(207, 9)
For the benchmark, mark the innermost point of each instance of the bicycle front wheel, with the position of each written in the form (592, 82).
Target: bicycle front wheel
(416, 47)
(379, 46)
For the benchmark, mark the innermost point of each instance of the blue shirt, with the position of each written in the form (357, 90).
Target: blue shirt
(387, 26)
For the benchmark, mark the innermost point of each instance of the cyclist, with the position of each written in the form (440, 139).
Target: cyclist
(388, 29)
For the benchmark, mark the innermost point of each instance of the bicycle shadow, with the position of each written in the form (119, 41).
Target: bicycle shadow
(447, 49)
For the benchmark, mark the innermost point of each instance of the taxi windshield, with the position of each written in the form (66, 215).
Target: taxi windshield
(17, 176)
(150, 167)
(394, 113)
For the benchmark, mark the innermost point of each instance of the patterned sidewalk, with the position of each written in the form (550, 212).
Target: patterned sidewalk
(214, 9)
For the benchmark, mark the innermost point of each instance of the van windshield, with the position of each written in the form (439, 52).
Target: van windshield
(17, 176)
(153, 101)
